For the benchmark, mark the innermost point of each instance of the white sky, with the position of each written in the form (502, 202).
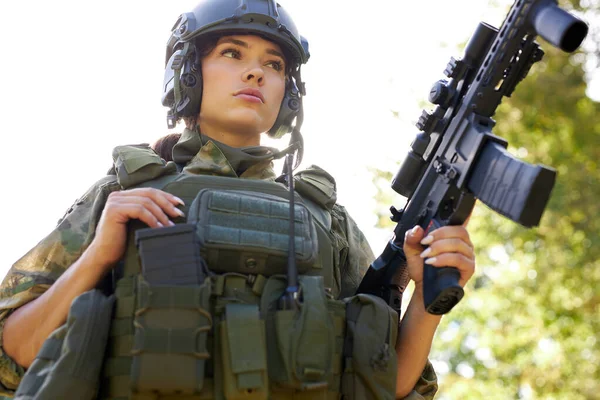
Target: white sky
(79, 78)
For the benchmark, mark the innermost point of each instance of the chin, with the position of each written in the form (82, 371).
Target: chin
(249, 121)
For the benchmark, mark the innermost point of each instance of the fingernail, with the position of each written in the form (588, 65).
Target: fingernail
(414, 230)
(177, 199)
(431, 260)
(179, 212)
(159, 224)
(425, 252)
(171, 223)
(427, 240)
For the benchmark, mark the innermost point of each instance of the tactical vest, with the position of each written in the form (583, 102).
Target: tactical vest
(197, 312)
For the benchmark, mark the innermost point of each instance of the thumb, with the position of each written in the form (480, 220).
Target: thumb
(412, 239)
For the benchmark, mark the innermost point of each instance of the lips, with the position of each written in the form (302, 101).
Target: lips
(250, 93)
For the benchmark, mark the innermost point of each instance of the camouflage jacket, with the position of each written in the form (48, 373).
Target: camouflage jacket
(37, 270)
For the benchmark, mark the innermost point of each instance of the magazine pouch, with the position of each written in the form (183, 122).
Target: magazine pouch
(370, 365)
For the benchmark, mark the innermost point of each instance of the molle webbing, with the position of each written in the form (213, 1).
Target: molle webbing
(155, 357)
(158, 340)
(247, 232)
(209, 340)
(187, 188)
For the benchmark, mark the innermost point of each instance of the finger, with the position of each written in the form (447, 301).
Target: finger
(136, 206)
(154, 194)
(412, 240)
(454, 260)
(465, 265)
(448, 232)
(166, 201)
(453, 245)
(414, 235)
(127, 211)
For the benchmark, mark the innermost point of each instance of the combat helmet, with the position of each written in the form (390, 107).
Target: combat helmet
(182, 85)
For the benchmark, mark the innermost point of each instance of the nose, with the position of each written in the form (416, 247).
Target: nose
(254, 73)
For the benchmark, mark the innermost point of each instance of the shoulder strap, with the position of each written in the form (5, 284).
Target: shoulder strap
(134, 164)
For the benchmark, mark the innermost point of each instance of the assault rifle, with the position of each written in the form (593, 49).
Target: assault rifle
(456, 159)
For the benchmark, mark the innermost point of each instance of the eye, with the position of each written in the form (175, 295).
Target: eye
(231, 53)
(276, 65)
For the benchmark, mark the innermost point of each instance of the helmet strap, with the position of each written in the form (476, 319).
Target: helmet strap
(177, 79)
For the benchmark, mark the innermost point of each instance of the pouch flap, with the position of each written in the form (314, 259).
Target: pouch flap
(245, 334)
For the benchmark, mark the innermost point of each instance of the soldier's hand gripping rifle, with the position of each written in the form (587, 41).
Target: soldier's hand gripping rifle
(456, 159)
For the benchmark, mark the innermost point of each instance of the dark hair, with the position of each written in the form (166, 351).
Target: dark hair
(164, 146)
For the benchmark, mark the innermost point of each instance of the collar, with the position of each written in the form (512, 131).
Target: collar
(203, 155)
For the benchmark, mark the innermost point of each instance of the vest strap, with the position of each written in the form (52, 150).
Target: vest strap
(188, 341)
(180, 297)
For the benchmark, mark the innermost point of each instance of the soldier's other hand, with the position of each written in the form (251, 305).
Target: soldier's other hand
(448, 246)
(151, 206)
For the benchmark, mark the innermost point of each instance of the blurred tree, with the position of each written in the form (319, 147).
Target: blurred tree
(528, 325)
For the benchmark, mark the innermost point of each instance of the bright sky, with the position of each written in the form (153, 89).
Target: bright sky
(79, 78)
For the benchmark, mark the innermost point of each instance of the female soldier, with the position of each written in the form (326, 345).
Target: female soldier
(232, 73)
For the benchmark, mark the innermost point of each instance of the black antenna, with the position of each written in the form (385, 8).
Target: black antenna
(289, 300)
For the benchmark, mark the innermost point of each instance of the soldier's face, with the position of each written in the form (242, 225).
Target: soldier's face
(243, 86)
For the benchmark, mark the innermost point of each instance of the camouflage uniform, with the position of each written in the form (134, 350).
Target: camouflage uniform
(35, 272)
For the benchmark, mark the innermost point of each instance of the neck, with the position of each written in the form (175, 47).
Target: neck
(231, 138)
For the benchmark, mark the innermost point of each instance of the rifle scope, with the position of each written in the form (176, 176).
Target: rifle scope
(414, 165)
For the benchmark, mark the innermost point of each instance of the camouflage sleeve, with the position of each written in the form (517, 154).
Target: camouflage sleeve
(426, 387)
(355, 257)
(37, 270)
(355, 252)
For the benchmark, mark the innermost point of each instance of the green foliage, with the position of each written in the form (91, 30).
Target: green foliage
(528, 326)
(536, 302)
